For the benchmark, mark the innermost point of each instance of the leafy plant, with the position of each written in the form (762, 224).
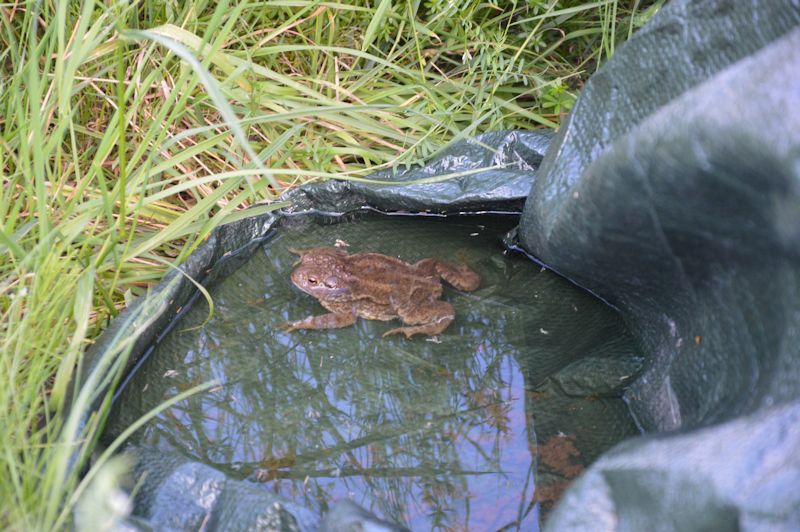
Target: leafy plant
(557, 98)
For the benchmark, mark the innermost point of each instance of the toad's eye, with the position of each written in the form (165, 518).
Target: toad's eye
(312, 280)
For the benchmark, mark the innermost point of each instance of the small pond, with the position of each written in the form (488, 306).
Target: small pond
(480, 428)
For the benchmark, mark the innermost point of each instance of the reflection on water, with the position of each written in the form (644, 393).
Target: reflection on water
(481, 428)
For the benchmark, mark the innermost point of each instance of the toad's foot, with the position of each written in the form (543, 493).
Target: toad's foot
(324, 321)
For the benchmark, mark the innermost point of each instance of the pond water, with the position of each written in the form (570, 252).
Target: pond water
(480, 428)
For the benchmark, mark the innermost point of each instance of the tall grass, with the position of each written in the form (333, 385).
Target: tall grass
(130, 130)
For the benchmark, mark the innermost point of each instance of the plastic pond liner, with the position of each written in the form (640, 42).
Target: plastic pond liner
(480, 427)
(671, 194)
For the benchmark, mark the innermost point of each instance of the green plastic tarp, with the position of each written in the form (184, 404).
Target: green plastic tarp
(673, 192)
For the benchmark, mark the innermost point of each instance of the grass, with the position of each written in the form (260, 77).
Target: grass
(130, 130)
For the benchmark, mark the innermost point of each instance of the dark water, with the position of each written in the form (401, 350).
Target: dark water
(481, 428)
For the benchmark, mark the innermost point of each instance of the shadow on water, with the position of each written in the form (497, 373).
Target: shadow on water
(481, 428)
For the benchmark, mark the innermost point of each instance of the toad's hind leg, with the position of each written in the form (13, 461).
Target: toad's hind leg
(431, 319)
(460, 276)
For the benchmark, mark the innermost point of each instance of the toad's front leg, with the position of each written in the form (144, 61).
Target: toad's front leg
(325, 321)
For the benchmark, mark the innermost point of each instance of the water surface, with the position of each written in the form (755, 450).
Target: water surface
(480, 428)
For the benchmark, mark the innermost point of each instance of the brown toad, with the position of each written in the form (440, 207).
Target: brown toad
(378, 287)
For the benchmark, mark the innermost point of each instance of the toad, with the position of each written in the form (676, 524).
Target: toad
(378, 287)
